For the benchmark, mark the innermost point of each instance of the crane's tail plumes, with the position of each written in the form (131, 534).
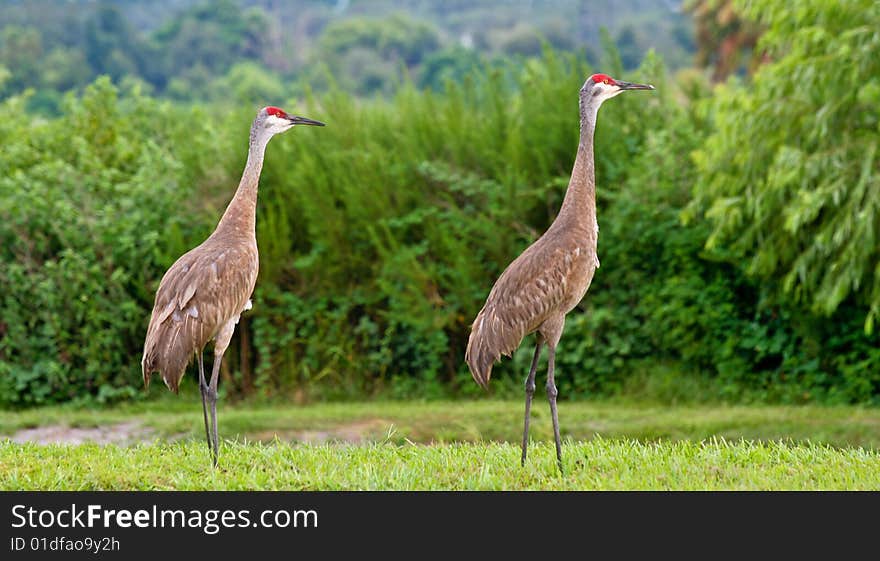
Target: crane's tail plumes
(489, 339)
(168, 352)
(479, 360)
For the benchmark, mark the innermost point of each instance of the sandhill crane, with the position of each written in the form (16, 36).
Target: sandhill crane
(551, 276)
(204, 292)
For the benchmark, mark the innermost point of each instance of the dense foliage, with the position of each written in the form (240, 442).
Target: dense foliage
(381, 234)
(90, 212)
(790, 183)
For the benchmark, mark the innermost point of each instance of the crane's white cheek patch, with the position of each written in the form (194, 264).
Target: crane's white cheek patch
(274, 121)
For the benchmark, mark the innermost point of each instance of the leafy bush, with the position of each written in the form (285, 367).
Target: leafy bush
(789, 179)
(788, 183)
(86, 204)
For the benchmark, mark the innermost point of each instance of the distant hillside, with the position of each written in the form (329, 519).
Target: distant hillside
(496, 26)
(204, 49)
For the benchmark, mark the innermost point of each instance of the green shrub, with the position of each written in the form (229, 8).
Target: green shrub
(86, 203)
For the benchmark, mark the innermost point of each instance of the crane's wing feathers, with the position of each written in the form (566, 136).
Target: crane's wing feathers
(523, 297)
(200, 292)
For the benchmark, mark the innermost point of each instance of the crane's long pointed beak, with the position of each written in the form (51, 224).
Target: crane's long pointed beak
(297, 120)
(632, 86)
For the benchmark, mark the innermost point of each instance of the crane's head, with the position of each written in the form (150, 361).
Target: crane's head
(273, 120)
(600, 87)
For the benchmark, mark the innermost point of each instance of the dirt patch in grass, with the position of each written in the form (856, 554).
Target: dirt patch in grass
(124, 434)
(357, 432)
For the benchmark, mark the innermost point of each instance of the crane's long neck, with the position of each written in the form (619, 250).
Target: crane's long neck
(240, 217)
(579, 205)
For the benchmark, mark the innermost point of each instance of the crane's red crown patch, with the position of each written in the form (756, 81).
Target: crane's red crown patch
(602, 78)
(277, 111)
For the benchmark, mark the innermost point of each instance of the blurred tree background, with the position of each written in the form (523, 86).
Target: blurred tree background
(738, 204)
(231, 50)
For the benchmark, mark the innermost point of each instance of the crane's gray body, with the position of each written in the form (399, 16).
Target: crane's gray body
(534, 293)
(199, 299)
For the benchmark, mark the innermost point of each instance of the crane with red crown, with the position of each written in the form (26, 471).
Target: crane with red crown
(202, 295)
(549, 278)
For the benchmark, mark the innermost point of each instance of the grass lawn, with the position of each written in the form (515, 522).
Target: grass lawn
(451, 445)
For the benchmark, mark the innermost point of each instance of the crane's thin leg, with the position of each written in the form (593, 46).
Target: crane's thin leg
(203, 389)
(220, 344)
(530, 391)
(212, 400)
(551, 395)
